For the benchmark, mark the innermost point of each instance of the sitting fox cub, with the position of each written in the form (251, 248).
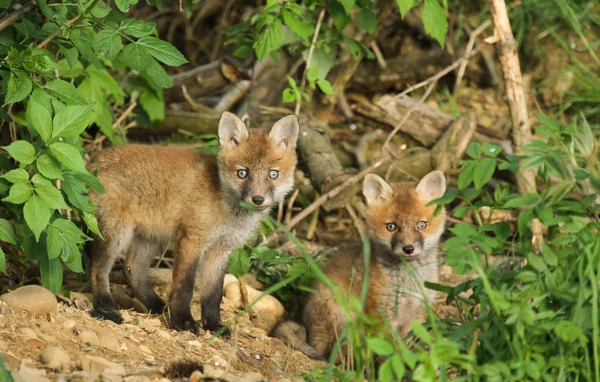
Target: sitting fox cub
(400, 225)
(160, 194)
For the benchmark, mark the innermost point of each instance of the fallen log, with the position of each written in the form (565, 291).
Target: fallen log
(197, 122)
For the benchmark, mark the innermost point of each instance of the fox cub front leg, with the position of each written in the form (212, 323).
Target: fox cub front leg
(213, 268)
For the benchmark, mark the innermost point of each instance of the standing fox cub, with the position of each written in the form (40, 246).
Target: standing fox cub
(400, 225)
(159, 194)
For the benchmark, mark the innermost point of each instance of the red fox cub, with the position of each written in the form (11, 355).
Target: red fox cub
(400, 225)
(159, 194)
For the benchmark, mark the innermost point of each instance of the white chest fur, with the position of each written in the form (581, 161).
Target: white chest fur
(233, 232)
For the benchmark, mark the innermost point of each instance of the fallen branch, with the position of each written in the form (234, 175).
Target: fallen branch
(14, 17)
(202, 122)
(236, 93)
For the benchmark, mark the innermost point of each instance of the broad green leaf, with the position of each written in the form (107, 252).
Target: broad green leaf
(348, 5)
(325, 87)
(569, 332)
(19, 86)
(68, 156)
(40, 118)
(435, 21)
(298, 26)
(16, 176)
(103, 79)
(386, 372)
(71, 121)
(66, 92)
(76, 192)
(51, 273)
(84, 44)
(37, 215)
(19, 193)
(158, 74)
(269, 40)
(48, 192)
(7, 232)
(549, 122)
(162, 51)
(421, 332)
(367, 20)
(72, 257)
(312, 74)
(239, 262)
(123, 5)
(522, 201)
(398, 366)
(321, 59)
(100, 10)
(405, 5)
(42, 98)
(22, 151)
(136, 56)
(288, 95)
(49, 167)
(2, 263)
(137, 28)
(465, 177)
(549, 255)
(53, 242)
(380, 346)
(89, 180)
(483, 172)
(153, 106)
(92, 223)
(108, 43)
(69, 231)
(536, 262)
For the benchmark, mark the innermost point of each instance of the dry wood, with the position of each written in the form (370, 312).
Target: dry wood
(507, 51)
(206, 79)
(237, 92)
(399, 72)
(200, 122)
(266, 88)
(14, 16)
(454, 142)
(468, 50)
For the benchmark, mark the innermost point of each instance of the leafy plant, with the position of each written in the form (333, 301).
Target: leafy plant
(62, 67)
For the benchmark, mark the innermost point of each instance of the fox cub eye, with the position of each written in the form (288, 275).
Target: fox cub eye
(242, 174)
(273, 174)
(422, 225)
(391, 227)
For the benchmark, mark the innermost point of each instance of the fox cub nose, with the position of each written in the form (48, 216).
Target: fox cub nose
(258, 200)
(408, 249)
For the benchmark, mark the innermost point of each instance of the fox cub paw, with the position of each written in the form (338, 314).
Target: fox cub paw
(186, 326)
(107, 314)
(214, 328)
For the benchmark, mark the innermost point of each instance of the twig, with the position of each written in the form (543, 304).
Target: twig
(124, 115)
(234, 95)
(47, 40)
(314, 220)
(360, 227)
(517, 103)
(469, 49)
(406, 116)
(309, 58)
(14, 17)
(330, 195)
(288, 213)
(193, 104)
(378, 55)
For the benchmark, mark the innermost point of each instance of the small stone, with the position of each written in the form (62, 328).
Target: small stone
(153, 322)
(4, 309)
(27, 332)
(251, 280)
(137, 378)
(55, 358)
(3, 346)
(145, 349)
(251, 377)
(137, 320)
(91, 363)
(69, 324)
(108, 339)
(195, 343)
(163, 334)
(89, 337)
(31, 298)
(27, 374)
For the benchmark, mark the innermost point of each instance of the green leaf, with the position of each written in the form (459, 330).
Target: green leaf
(569, 332)
(522, 201)
(153, 106)
(405, 5)
(288, 95)
(76, 192)
(16, 176)
(108, 43)
(19, 86)
(239, 262)
(2, 266)
(162, 51)
(40, 118)
(48, 192)
(380, 346)
(123, 5)
(421, 332)
(68, 155)
(66, 92)
(70, 121)
(92, 223)
(49, 167)
(89, 180)
(51, 273)
(22, 151)
(158, 74)
(7, 232)
(348, 5)
(325, 87)
(435, 21)
(312, 74)
(298, 26)
(136, 56)
(398, 366)
(321, 59)
(549, 255)
(269, 40)
(69, 231)
(19, 193)
(483, 172)
(53, 242)
(367, 20)
(549, 122)
(465, 177)
(386, 371)
(100, 10)
(37, 215)
(536, 262)
(72, 257)
(137, 28)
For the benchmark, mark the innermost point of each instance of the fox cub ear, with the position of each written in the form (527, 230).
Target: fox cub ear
(232, 130)
(376, 190)
(432, 186)
(285, 132)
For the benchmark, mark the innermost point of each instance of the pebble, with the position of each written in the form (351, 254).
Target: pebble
(108, 339)
(89, 337)
(163, 334)
(27, 374)
(31, 298)
(195, 343)
(91, 363)
(55, 358)
(153, 322)
(145, 349)
(69, 324)
(27, 332)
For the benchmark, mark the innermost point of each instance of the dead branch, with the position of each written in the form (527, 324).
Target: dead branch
(200, 122)
(14, 17)
(454, 142)
(266, 87)
(507, 50)
(237, 92)
(468, 50)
